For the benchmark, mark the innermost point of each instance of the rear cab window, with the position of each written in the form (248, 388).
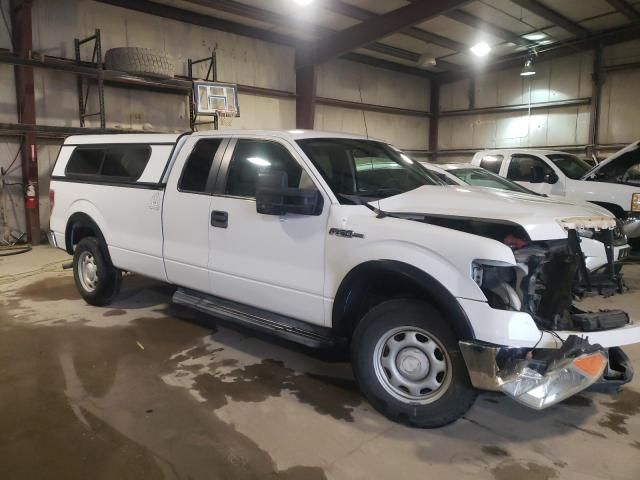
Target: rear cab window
(492, 162)
(196, 175)
(124, 163)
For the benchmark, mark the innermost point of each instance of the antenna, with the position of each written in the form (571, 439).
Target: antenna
(364, 115)
(366, 132)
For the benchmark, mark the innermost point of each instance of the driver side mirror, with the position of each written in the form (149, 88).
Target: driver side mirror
(275, 197)
(537, 174)
(551, 177)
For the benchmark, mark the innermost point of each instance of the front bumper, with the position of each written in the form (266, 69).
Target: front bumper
(540, 378)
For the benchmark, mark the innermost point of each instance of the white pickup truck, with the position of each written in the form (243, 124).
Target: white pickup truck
(329, 239)
(613, 184)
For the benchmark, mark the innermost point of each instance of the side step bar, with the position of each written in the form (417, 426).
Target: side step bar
(289, 328)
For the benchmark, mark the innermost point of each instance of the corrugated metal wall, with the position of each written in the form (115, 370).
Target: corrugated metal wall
(257, 63)
(240, 60)
(566, 78)
(354, 82)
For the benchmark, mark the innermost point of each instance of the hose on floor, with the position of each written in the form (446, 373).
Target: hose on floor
(16, 250)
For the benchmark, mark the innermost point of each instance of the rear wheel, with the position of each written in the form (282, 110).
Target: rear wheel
(97, 280)
(408, 364)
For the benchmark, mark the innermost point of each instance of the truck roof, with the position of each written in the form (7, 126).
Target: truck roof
(293, 134)
(156, 138)
(538, 151)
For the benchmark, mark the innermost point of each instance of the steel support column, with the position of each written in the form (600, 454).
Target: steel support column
(25, 100)
(305, 96)
(597, 76)
(434, 120)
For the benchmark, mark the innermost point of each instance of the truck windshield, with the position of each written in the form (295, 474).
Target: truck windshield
(570, 165)
(479, 177)
(364, 170)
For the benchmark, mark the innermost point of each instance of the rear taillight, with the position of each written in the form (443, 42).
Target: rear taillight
(52, 199)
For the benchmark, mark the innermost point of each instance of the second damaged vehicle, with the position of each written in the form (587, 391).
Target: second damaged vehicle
(328, 239)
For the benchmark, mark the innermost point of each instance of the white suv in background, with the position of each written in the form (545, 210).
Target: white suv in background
(613, 184)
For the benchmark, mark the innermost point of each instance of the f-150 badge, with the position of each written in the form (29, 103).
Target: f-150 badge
(345, 233)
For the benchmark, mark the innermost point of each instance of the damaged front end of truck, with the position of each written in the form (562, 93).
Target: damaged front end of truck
(548, 276)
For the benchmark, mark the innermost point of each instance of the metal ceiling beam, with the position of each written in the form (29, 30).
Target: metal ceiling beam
(534, 6)
(262, 15)
(368, 31)
(549, 52)
(624, 8)
(387, 65)
(194, 18)
(479, 24)
(361, 14)
(296, 25)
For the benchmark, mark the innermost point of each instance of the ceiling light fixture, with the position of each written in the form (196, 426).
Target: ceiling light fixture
(528, 69)
(304, 3)
(481, 49)
(535, 36)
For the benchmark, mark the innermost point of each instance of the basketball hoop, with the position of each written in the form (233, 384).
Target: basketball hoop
(226, 118)
(216, 99)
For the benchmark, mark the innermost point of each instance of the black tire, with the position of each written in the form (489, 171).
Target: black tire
(140, 61)
(109, 278)
(450, 401)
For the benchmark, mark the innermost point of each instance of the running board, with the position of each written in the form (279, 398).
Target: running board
(289, 328)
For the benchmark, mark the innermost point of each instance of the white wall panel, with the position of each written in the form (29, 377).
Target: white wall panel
(455, 95)
(403, 131)
(239, 59)
(561, 126)
(560, 79)
(265, 113)
(12, 198)
(347, 80)
(620, 107)
(626, 52)
(8, 108)
(5, 33)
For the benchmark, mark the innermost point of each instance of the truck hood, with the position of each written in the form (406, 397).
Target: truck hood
(542, 218)
(612, 158)
(592, 208)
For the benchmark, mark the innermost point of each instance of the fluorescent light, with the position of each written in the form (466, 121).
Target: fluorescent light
(481, 49)
(304, 3)
(261, 162)
(535, 36)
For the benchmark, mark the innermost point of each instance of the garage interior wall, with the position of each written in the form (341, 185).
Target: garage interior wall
(354, 82)
(257, 63)
(240, 59)
(565, 78)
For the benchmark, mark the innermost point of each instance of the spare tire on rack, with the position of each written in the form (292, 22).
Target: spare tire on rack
(140, 61)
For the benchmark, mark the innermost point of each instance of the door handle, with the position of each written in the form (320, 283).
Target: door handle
(219, 219)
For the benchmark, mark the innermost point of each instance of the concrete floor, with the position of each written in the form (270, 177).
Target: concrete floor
(142, 391)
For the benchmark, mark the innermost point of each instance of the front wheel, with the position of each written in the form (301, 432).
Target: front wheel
(97, 280)
(408, 364)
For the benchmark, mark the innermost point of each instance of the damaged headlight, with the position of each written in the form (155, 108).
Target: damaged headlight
(497, 281)
(532, 384)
